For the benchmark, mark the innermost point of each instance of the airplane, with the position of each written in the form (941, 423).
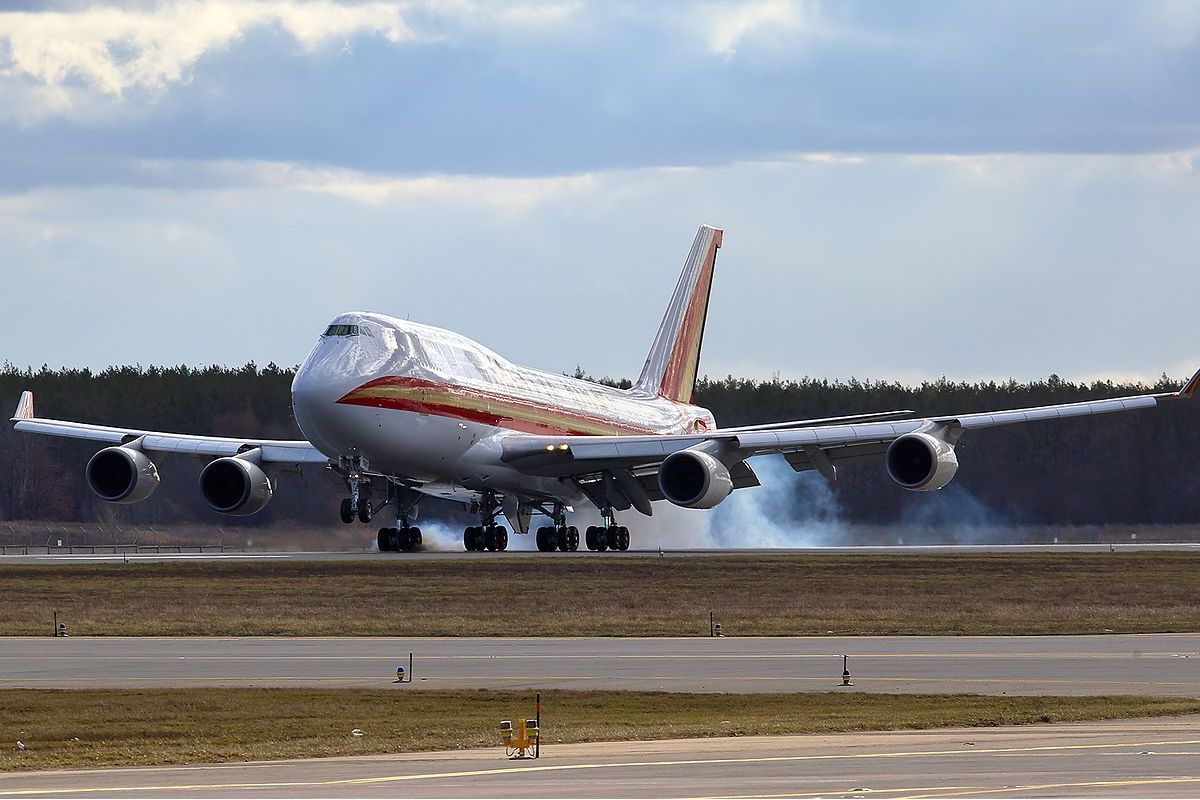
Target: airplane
(409, 411)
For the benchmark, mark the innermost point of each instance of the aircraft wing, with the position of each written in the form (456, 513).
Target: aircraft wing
(273, 450)
(821, 447)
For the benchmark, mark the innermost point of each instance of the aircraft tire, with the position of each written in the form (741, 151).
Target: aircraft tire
(489, 538)
(347, 511)
(623, 539)
(545, 540)
(364, 510)
(572, 538)
(589, 537)
(402, 540)
(384, 540)
(601, 540)
(501, 538)
(416, 538)
(469, 539)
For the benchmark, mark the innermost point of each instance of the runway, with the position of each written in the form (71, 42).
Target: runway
(108, 555)
(1153, 664)
(1130, 758)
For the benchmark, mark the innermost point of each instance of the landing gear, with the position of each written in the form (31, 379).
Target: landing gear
(609, 536)
(486, 537)
(558, 536)
(399, 540)
(404, 537)
(489, 535)
(358, 504)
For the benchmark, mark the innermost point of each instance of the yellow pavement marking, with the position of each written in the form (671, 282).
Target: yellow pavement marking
(1044, 786)
(827, 793)
(586, 766)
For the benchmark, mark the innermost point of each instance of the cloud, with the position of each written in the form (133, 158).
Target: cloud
(727, 26)
(115, 50)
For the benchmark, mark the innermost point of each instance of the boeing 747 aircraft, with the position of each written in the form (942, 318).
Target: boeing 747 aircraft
(402, 411)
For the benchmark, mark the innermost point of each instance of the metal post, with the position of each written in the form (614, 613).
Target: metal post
(537, 748)
(55, 624)
(410, 667)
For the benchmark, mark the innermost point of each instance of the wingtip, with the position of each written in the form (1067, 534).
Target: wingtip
(24, 407)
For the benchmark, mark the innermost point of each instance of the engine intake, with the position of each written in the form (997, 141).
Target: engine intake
(921, 462)
(235, 486)
(122, 475)
(694, 479)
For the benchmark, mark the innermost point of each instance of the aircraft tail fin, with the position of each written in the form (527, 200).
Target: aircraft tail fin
(670, 369)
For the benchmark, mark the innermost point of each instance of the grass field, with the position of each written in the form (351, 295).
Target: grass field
(172, 726)
(619, 595)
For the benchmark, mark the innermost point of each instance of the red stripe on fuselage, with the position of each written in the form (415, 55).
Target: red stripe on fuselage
(540, 419)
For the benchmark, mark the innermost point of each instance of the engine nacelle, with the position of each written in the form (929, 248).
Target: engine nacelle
(122, 475)
(921, 462)
(235, 486)
(694, 479)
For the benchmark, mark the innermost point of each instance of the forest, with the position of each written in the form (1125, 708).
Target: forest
(1133, 468)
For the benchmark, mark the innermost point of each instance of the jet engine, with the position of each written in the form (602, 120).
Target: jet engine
(122, 475)
(921, 462)
(235, 486)
(694, 479)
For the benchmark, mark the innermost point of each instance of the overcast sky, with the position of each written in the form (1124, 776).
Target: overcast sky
(979, 190)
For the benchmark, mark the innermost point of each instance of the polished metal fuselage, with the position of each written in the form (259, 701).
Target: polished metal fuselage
(433, 407)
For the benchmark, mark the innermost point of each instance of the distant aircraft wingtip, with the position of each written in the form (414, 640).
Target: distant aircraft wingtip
(24, 407)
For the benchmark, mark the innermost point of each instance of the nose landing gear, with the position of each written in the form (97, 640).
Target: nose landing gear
(358, 504)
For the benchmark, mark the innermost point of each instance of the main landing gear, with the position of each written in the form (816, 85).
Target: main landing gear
(487, 535)
(609, 536)
(400, 539)
(558, 536)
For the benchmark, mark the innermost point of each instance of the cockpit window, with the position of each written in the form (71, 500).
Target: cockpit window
(341, 330)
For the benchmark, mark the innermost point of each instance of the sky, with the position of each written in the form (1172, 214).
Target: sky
(909, 190)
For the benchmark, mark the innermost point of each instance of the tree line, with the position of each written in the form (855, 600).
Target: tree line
(1131, 468)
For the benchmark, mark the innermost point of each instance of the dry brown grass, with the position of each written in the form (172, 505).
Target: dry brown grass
(1022, 593)
(171, 726)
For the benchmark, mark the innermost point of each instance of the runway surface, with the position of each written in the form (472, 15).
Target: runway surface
(1138, 758)
(363, 555)
(1153, 664)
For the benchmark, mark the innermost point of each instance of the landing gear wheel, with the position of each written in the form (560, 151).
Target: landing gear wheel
(403, 540)
(601, 539)
(500, 538)
(589, 537)
(415, 534)
(572, 538)
(489, 537)
(364, 510)
(469, 539)
(623, 539)
(347, 511)
(384, 540)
